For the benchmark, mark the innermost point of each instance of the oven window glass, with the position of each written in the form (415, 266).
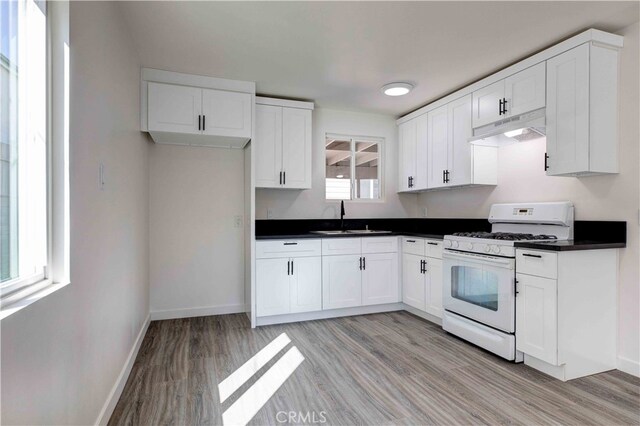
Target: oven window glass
(475, 285)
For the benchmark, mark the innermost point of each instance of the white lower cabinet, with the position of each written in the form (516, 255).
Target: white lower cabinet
(413, 281)
(341, 281)
(380, 279)
(536, 317)
(272, 287)
(433, 288)
(305, 285)
(422, 275)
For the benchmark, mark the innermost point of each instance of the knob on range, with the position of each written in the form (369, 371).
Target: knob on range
(454, 244)
(470, 246)
(496, 249)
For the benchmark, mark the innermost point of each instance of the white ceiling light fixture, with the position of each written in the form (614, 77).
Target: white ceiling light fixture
(397, 89)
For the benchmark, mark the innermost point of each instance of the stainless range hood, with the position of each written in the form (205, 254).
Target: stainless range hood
(519, 128)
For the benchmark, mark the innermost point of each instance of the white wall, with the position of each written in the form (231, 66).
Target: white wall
(61, 356)
(196, 250)
(616, 197)
(311, 203)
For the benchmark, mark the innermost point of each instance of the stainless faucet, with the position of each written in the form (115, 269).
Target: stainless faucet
(342, 215)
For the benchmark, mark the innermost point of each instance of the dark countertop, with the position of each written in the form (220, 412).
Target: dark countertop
(570, 245)
(589, 234)
(310, 235)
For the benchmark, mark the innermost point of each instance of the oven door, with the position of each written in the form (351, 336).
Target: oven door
(481, 288)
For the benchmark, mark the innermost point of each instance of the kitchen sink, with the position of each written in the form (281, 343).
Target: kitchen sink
(367, 231)
(332, 232)
(351, 231)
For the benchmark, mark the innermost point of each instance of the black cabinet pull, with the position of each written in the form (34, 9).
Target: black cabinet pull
(284, 178)
(291, 266)
(199, 122)
(546, 161)
(532, 255)
(515, 287)
(421, 266)
(360, 266)
(288, 263)
(500, 107)
(425, 266)
(290, 244)
(446, 176)
(364, 263)
(443, 177)
(411, 241)
(280, 182)
(432, 244)
(203, 125)
(504, 106)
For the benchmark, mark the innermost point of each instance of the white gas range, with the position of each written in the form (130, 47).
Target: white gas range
(479, 272)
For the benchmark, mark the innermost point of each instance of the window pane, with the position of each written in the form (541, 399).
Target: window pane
(367, 178)
(8, 140)
(23, 140)
(338, 169)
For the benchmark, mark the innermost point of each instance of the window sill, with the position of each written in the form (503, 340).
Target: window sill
(31, 298)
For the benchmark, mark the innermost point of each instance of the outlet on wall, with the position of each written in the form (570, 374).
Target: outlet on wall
(238, 221)
(269, 214)
(424, 212)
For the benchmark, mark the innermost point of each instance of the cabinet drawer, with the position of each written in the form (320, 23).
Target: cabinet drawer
(379, 245)
(341, 246)
(287, 248)
(412, 245)
(538, 263)
(434, 248)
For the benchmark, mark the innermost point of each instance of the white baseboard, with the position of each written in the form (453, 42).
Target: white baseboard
(629, 366)
(202, 311)
(332, 313)
(116, 391)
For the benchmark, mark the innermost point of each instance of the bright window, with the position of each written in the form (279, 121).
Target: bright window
(23, 145)
(353, 167)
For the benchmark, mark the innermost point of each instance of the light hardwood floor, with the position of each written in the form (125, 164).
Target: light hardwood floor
(391, 368)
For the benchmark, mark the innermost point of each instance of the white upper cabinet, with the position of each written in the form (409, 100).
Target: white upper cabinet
(525, 91)
(437, 146)
(184, 109)
(283, 144)
(582, 102)
(487, 104)
(268, 146)
(226, 113)
(460, 153)
(521, 92)
(174, 108)
(407, 154)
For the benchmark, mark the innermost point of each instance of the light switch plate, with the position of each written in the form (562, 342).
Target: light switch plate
(424, 212)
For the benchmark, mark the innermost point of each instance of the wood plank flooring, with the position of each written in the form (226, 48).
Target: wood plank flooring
(379, 369)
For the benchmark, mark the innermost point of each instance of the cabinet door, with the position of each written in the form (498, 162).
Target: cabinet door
(486, 104)
(526, 91)
(226, 113)
(433, 287)
(459, 161)
(413, 281)
(306, 284)
(296, 148)
(380, 279)
(272, 287)
(341, 281)
(536, 317)
(407, 157)
(568, 111)
(268, 146)
(421, 153)
(174, 108)
(437, 144)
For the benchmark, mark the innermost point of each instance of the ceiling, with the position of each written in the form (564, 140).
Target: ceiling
(339, 54)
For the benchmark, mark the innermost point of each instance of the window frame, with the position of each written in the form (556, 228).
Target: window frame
(22, 291)
(353, 139)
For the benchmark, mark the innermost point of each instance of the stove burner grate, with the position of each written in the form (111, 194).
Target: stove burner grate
(509, 236)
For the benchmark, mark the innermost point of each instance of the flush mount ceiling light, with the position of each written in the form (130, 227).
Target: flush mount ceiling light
(396, 89)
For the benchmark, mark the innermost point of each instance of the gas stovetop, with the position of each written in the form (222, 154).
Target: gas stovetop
(506, 236)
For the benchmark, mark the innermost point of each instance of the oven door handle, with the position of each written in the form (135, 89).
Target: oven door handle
(494, 261)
